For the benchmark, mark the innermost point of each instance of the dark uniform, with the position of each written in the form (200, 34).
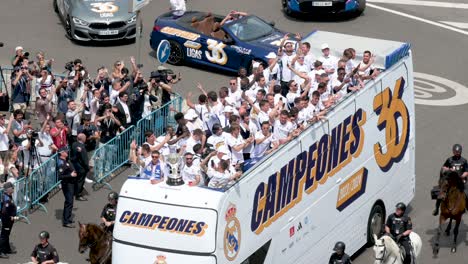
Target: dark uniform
(108, 213)
(79, 158)
(42, 253)
(337, 259)
(68, 188)
(8, 211)
(398, 225)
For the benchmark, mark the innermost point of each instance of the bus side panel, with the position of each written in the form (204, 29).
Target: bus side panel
(352, 160)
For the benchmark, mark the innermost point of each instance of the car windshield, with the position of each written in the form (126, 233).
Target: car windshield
(250, 28)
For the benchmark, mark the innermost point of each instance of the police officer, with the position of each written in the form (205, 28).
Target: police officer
(455, 163)
(44, 253)
(339, 256)
(399, 227)
(8, 218)
(67, 175)
(108, 213)
(79, 158)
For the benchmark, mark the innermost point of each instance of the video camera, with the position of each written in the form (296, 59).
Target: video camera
(163, 74)
(32, 134)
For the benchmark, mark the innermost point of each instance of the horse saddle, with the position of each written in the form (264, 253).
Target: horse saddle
(403, 253)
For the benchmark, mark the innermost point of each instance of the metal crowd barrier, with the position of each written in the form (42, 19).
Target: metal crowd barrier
(43, 180)
(20, 197)
(112, 155)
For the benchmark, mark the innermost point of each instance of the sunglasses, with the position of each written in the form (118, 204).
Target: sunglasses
(189, 158)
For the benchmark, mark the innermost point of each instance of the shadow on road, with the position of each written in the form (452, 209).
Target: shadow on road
(446, 241)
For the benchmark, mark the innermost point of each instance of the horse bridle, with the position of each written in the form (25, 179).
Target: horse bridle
(381, 259)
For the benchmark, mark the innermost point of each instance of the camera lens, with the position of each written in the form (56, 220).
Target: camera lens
(26, 54)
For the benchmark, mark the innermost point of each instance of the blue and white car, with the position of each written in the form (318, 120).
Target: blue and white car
(323, 7)
(96, 20)
(236, 44)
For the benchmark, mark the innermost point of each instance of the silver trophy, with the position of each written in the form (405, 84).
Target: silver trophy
(174, 162)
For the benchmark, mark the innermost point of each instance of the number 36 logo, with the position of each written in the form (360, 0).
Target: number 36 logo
(390, 108)
(215, 52)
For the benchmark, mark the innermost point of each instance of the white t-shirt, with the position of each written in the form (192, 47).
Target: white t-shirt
(219, 179)
(329, 62)
(292, 95)
(281, 131)
(4, 141)
(260, 149)
(73, 120)
(263, 117)
(47, 142)
(237, 156)
(309, 60)
(189, 174)
(190, 143)
(113, 96)
(286, 73)
(166, 148)
(216, 141)
(203, 114)
(236, 97)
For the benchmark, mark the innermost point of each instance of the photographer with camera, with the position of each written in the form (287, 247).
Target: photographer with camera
(30, 156)
(64, 94)
(74, 119)
(21, 86)
(77, 74)
(102, 81)
(20, 55)
(41, 64)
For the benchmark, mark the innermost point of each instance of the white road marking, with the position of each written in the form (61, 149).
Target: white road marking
(428, 87)
(421, 3)
(419, 19)
(456, 24)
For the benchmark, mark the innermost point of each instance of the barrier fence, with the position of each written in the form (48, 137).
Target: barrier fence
(108, 157)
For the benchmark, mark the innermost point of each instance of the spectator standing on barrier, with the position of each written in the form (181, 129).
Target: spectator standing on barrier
(68, 176)
(59, 134)
(8, 218)
(44, 252)
(47, 149)
(80, 161)
(74, 119)
(44, 104)
(4, 139)
(109, 211)
(122, 111)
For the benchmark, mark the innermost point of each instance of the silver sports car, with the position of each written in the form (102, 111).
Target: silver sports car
(99, 20)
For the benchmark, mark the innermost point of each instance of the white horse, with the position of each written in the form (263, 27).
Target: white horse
(386, 251)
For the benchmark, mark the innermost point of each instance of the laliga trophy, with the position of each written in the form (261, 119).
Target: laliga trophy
(173, 162)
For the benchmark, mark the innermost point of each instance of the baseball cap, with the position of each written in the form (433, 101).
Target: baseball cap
(319, 72)
(271, 55)
(228, 109)
(8, 185)
(18, 48)
(325, 46)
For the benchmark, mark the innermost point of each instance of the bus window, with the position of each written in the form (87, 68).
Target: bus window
(258, 257)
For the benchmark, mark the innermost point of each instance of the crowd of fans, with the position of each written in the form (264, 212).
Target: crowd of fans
(49, 112)
(225, 132)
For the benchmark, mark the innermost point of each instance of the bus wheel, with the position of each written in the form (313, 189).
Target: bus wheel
(375, 223)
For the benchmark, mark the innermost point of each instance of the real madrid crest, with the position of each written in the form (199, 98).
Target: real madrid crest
(160, 260)
(232, 233)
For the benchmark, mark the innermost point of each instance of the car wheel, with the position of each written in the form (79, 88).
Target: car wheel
(177, 53)
(375, 223)
(68, 29)
(55, 6)
(361, 7)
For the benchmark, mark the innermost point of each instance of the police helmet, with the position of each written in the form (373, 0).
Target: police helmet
(401, 206)
(457, 148)
(113, 196)
(339, 246)
(44, 235)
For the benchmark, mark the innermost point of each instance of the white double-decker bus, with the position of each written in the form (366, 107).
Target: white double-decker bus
(337, 181)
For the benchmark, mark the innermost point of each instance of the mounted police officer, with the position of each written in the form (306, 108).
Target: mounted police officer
(399, 227)
(455, 163)
(339, 256)
(67, 175)
(8, 218)
(108, 213)
(44, 252)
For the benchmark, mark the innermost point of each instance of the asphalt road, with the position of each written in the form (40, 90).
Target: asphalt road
(438, 51)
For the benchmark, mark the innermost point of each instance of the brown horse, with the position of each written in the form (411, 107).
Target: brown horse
(452, 207)
(98, 241)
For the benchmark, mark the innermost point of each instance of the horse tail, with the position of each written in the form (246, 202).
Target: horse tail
(416, 241)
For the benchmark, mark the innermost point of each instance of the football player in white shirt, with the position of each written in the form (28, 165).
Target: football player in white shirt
(341, 83)
(283, 128)
(272, 69)
(217, 139)
(315, 110)
(309, 58)
(328, 61)
(237, 144)
(221, 177)
(235, 94)
(264, 142)
(286, 53)
(366, 68)
(191, 173)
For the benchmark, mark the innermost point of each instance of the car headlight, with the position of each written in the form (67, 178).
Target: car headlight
(132, 19)
(80, 22)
